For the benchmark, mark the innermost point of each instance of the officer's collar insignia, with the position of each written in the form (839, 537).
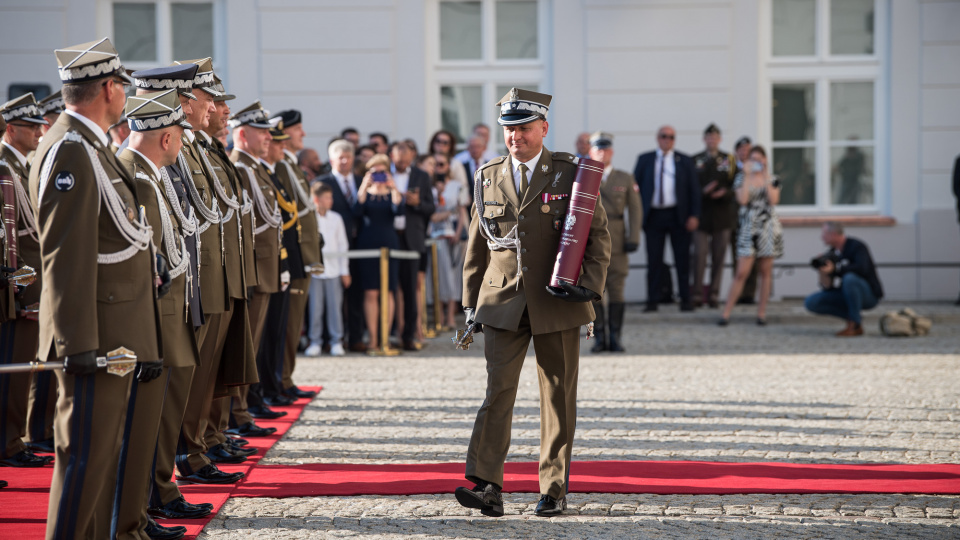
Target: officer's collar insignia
(544, 168)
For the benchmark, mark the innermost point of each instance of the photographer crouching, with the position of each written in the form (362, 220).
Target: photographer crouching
(848, 278)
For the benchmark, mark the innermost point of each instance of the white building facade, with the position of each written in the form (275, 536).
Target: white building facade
(858, 101)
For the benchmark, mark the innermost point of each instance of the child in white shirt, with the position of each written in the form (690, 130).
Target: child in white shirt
(326, 290)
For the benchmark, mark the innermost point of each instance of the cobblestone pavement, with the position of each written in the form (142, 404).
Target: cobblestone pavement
(686, 390)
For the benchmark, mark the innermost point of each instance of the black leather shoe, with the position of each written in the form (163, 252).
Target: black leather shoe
(238, 450)
(237, 441)
(222, 454)
(650, 308)
(278, 401)
(252, 430)
(265, 413)
(180, 509)
(686, 307)
(41, 447)
(3, 483)
(484, 496)
(25, 458)
(548, 506)
(211, 475)
(158, 532)
(297, 393)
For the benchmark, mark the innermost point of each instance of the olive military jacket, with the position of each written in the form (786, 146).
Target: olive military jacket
(180, 347)
(298, 188)
(88, 305)
(220, 158)
(8, 301)
(28, 245)
(719, 213)
(620, 197)
(492, 281)
(213, 279)
(266, 242)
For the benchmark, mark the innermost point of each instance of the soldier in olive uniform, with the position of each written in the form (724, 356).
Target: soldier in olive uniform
(620, 197)
(510, 255)
(310, 243)
(43, 386)
(99, 286)
(156, 121)
(7, 300)
(718, 216)
(19, 335)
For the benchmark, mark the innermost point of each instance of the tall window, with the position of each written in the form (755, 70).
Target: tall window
(480, 49)
(155, 33)
(823, 73)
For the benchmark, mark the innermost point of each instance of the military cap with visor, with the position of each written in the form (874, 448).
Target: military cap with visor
(290, 117)
(601, 140)
(276, 129)
(155, 110)
(252, 115)
(179, 78)
(712, 128)
(204, 79)
(218, 86)
(22, 109)
(90, 61)
(521, 106)
(52, 104)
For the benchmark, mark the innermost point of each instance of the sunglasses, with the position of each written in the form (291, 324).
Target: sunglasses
(666, 136)
(442, 141)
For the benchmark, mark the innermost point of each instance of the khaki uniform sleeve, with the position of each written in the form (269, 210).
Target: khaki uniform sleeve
(596, 257)
(68, 222)
(475, 261)
(634, 212)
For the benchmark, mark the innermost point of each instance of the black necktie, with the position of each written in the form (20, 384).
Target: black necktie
(660, 181)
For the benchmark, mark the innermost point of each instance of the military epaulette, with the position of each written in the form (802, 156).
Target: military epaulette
(493, 162)
(565, 156)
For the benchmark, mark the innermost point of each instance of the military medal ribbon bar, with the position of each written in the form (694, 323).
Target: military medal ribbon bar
(576, 226)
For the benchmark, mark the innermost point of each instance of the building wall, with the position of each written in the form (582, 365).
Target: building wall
(624, 66)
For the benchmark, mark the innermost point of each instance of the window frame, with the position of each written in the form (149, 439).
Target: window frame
(822, 69)
(164, 29)
(488, 72)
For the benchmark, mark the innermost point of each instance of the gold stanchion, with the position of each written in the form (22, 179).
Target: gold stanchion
(385, 349)
(437, 304)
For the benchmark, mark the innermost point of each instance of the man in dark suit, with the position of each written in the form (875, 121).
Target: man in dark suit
(344, 186)
(412, 231)
(670, 192)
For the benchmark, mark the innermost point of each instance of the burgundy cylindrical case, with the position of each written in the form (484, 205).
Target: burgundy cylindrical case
(576, 226)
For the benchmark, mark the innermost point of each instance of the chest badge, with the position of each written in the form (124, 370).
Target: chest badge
(556, 179)
(487, 182)
(545, 208)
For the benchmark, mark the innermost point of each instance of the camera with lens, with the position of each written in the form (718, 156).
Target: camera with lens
(821, 260)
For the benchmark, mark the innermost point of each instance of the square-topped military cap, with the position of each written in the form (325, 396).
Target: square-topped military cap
(204, 78)
(179, 78)
(520, 106)
(90, 61)
(276, 129)
(601, 140)
(218, 86)
(712, 128)
(52, 104)
(290, 117)
(155, 110)
(22, 109)
(253, 115)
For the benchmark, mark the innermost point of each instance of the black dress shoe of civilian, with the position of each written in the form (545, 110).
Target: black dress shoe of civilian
(650, 308)
(278, 401)
(25, 458)
(222, 454)
(181, 509)
(297, 393)
(211, 475)
(238, 450)
(252, 430)
(158, 532)
(686, 306)
(484, 496)
(266, 413)
(43, 447)
(548, 506)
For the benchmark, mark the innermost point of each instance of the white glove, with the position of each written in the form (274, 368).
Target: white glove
(284, 280)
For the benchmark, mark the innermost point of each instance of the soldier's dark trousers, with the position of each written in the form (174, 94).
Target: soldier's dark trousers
(137, 453)
(16, 339)
(298, 308)
(715, 245)
(91, 410)
(258, 306)
(270, 354)
(558, 362)
(41, 406)
(164, 490)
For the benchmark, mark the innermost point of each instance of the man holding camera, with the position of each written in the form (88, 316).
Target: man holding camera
(848, 278)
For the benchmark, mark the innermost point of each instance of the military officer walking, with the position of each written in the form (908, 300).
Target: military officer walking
(99, 286)
(620, 197)
(156, 121)
(718, 216)
(510, 255)
(18, 336)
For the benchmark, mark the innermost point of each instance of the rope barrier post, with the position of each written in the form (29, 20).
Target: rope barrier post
(437, 304)
(425, 328)
(385, 349)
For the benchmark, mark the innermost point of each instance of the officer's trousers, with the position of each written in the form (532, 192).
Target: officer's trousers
(558, 362)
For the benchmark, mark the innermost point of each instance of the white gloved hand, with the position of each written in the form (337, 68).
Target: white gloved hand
(284, 280)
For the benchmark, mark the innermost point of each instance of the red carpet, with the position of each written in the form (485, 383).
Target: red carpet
(23, 504)
(656, 477)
